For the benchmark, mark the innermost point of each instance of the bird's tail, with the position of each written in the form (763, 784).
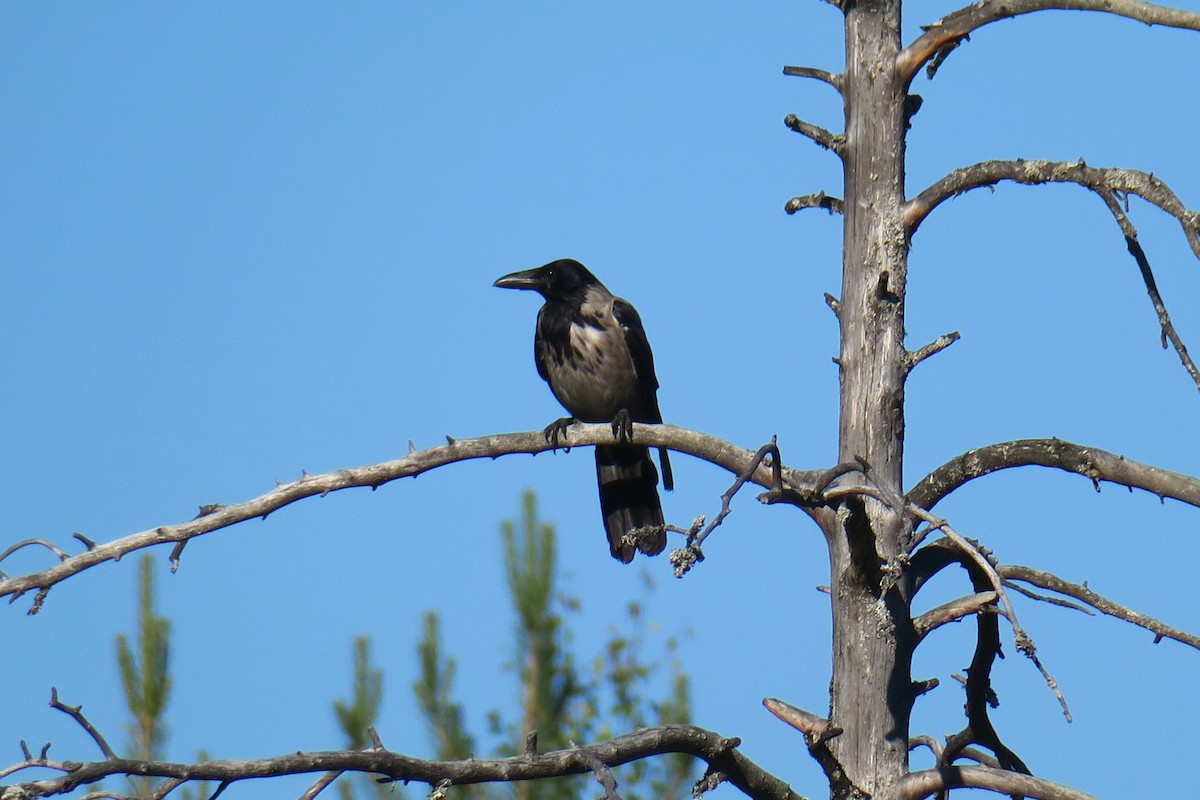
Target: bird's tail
(629, 500)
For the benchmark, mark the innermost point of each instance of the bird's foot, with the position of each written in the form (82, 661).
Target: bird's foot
(622, 425)
(558, 430)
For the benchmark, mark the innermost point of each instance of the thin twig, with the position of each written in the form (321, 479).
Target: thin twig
(76, 713)
(1044, 598)
(914, 357)
(53, 548)
(321, 784)
(686, 557)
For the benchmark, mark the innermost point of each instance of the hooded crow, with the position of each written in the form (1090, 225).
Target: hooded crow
(591, 348)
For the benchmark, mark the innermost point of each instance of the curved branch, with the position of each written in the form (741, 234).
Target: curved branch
(1102, 180)
(1112, 185)
(952, 29)
(720, 753)
(834, 80)
(919, 785)
(1098, 465)
(1050, 581)
(214, 517)
(978, 684)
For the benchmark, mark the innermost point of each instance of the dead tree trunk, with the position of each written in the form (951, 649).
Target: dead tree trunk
(872, 628)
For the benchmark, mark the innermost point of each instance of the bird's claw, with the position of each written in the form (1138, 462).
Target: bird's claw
(558, 430)
(622, 425)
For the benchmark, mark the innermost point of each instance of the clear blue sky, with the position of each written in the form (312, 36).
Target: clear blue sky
(240, 240)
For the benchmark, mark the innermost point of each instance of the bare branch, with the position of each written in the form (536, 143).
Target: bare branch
(1045, 598)
(320, 784)
(827, 139)
(1112, 185)
(602, 773)
(1047, 580)
(819, 200)
(1098, 465)
(978, 684)
(817, 733)
(952, 29)
(952, 612)
(685, 558)
(34, 542)
(76, 713)
(1024, 642)
(919, 785)
(815, 728)
(939, 344)
(1169, 334)
(832, 79)
(1105, 181)
(701, 445)
(935, 746)
(719, 752)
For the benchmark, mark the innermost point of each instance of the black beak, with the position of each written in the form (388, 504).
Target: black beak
(526, 279)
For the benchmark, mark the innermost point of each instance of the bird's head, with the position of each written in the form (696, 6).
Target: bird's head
(557, 280)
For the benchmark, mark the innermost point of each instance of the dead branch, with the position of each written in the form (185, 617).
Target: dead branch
(1169, 334)
(978, 756)
(701, 445)
(827, 139)
(919, 785)
(956, 27)
(38, 542)
(926, 563)
(1113, 186)
(834, 80)
(76, 713)
(603, 775)
(819, 200)
(685, 558)
(1102, 180)
(817, 733)
(815, 728)
(952, 612)
(914, 357)
(1047, 580)
(719, 752)
(983, 565)
(1091, 462)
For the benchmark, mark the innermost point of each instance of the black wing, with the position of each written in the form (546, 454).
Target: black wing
(643, 364)
(643, 360)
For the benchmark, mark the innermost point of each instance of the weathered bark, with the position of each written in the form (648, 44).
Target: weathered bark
(872, 628)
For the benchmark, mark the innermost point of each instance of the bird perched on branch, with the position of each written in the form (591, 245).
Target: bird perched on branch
(591, 348)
